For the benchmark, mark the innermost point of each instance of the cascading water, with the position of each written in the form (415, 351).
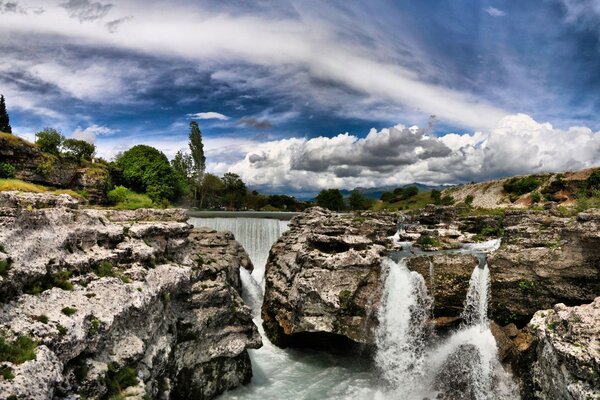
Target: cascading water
(403, 319)
(409, 360)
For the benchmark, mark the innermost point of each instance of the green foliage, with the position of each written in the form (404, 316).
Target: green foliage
(400, 194)
(593, 181)
(358, 201)
(5, 267)
(7, 373)
(42, 318)
(436, 197)
(146, 169)
(117, 379)
(447, 200)
(520, 186)
(104, 269)
(49, 141)
(428, 241)
(526, 285)
(68, 311)
(78, 149)
(536, 197)
(331, 199)
(18, 351)
(61, 329)
(469, 200)
(197, 150)
(7, 170)
(58, 279)
(345, 298)
(4, 118)
(125, 199)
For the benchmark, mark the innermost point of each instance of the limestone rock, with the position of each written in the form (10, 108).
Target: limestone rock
(567, 351)
(109, 295)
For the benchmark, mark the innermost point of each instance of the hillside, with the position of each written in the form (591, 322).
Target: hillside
(565, 188)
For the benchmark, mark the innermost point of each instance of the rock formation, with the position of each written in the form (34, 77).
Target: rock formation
(34, 166)
(129, 303)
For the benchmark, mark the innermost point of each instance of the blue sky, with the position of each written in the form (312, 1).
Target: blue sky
(300, 95)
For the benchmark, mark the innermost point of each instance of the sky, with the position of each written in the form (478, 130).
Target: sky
(296, 96)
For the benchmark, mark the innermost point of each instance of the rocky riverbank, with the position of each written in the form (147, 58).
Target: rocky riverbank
(98, 303)
(323, 283)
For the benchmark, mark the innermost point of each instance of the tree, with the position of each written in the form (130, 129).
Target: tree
(197, 150)
(79, 149)
(331, 199)
(147, 170)
(436, 196)
(4, 120)
(183, 166)
(211, 189)
(49, 141)
(234, 190)
(358, 201)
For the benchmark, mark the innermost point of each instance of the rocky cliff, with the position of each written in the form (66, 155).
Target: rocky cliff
(323, 283)
(98, 303)
(34, 166)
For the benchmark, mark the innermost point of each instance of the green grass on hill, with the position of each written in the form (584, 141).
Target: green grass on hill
(22, 186)
(125, 199)
(412, 203)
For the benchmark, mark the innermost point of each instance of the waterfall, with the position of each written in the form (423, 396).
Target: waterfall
(256, 235)
(403, 318)
(476, 302)
(463, 365)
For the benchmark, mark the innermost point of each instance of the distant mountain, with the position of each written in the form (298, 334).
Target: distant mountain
(376, 192)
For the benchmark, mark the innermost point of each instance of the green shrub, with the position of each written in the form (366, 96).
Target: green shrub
(593, 181)
(469, 200)
(42, 318)
(536, 197)
(7, 373)
(117, 379)
(68, 311)
(104, 269)
(4, 267)
(428, 241)
(125, 199)
(61, 329)
(7, 171)
(59, 279)
(520, 186)
(18, 351)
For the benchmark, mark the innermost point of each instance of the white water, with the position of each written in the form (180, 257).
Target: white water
(410, 363)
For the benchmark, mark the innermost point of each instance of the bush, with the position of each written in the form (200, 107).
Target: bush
(536, 197)
(125, 199)
(593, 182)
(7, 170)
(118, 195)
(49, 141)
(358, 201)
(436, 197)
(469, 200)
(520, 186)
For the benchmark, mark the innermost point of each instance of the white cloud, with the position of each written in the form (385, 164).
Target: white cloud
(90, 133)
(303, 46)
(209, 115)
(495, 12)
(517, 145)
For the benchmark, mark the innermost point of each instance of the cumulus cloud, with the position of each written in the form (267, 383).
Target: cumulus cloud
(495, 12)
(86, 10)
(90, 133)
(209, 115)
(517, 145)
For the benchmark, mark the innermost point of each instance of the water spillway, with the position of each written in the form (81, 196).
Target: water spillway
(411, 362)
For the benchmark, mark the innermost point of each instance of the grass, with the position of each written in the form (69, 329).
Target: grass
(18, 351)
(420, 200)
(105, 269)
(126, 199)
(7, 373)
(117, 379)
(22, 186)
(4, 267)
